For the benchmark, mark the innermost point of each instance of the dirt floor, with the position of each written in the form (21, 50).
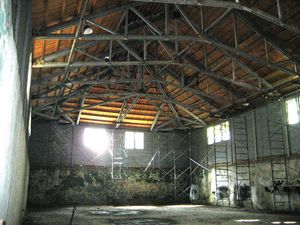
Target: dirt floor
(155, 215)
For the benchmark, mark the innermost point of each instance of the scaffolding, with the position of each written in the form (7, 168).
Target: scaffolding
(222, 193)
(165, 155)
(119, 155)
(241, 158)
(170, 149)
(281, 198)
(58, 149)
(58, 145)
(185, 171)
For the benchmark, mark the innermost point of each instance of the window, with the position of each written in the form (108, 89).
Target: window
(210, 135)
(225, 131)
(292, 110)
(218, 133)
(97, 140)
(134, 140)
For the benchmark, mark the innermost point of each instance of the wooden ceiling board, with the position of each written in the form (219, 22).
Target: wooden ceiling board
(51, 13)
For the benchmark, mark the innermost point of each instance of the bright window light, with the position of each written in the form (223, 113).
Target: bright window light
(218, 133)
(139, 140)
(97, 140)
(210, 135)
(292, 109)
(225, 131)
(129, 140)
(134, 140)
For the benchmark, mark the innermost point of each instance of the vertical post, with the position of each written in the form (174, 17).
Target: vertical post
(176, 33)
(112, 156)
(236, 160)
(202, 20)
(166, 19)
(232, 134)
(153, 149)
(235, 32)
(72, 146)
(205, 56)
(285, 127)
(190, 156)
(145, 58)
(266, 50)
(279, 9)
(174, 167)
(236, 43)
(128, 67)
(159, 153)
(216, 173)
(126, 22)
(254, 133)
(159, 161)
(145, 49)
(110, 50)
(233, 69)
(205, 64)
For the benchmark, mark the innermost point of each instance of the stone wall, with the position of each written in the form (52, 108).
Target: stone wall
(94, 185)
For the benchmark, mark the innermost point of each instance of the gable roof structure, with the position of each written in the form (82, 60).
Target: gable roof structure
(161, 64)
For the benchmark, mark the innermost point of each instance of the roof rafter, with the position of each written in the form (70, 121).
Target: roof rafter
(101, 13)
(181, 80)
(230, 5)
(203, 39)
(258, 29)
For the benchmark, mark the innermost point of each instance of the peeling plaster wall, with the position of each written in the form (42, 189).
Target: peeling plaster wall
(259, 152)
(260, 177)
(14, 164)
(64, 171)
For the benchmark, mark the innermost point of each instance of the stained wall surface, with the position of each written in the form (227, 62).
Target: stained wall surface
(268, 137)
(64, 171)
(14, 132)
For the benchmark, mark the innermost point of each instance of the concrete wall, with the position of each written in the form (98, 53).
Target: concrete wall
(14, 164)
(266, 126)
(57, 155)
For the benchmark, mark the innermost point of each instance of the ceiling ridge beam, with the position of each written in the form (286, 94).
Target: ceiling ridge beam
(166, 38)
(131, 94)
(125, 81)
(104, 63)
